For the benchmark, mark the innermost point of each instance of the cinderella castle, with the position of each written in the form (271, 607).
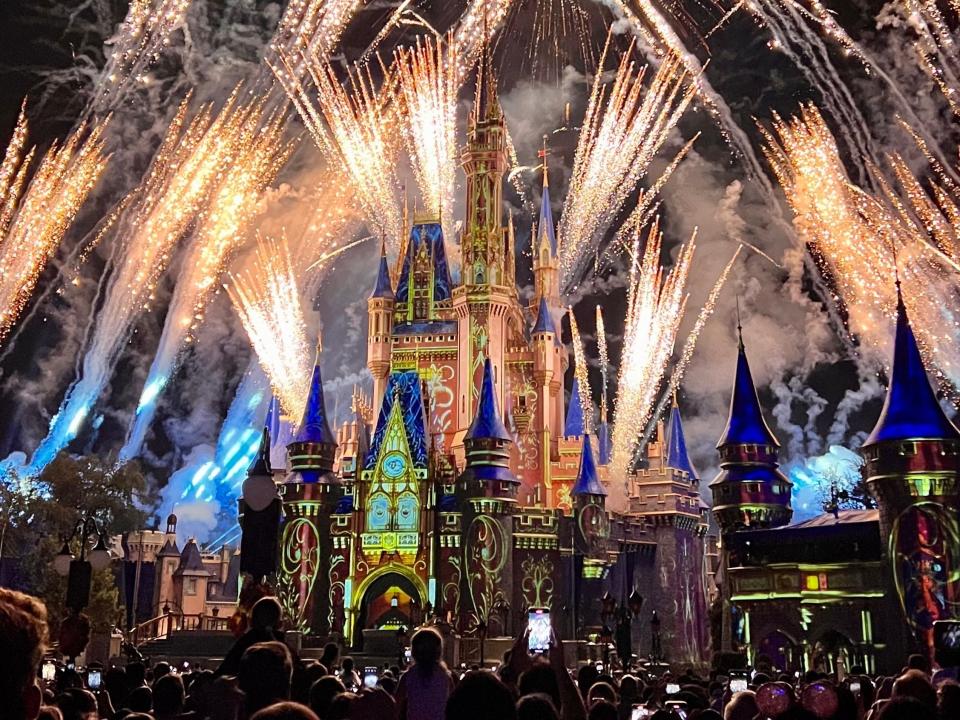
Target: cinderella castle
(467, 491)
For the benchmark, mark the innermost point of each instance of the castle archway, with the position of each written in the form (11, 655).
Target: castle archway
(390, 598)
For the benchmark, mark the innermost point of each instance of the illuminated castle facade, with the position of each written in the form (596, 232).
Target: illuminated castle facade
(465, 490)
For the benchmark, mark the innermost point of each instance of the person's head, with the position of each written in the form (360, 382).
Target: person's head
(322, 693)
(341, 706)
(536, 706)
(541, 679)
(628, 687)
(160, 669)
(347, 664)
(115, 683)
(426, 647)
(140, 699)
(481, 696)
(603, 710)
(23, 637)
(168, 696)
(389, 684)
(49, 712)
(918, 662)
(586, 676)
(266, 614)
(915, 684)
(78, 704)
(948, 699)
(265, 672)
(136, 674)
(331, 652)
(284, 711)
(742, 706)
(905, 708)
(601, 691)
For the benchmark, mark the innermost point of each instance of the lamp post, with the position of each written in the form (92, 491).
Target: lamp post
(656, 651)
(482, 633)
(78, 570)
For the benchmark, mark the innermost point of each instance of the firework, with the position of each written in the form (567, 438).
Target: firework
(13, 171)
(604, 362)
(34, 220)
(580, 370)
(655, 307)
(267, 300)
(190, 164)
(622, 132)
(476, 30)
(429, 88)
(859, 240)
(222, 225)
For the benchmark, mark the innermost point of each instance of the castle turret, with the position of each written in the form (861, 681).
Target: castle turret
(490, 492)
(912, 466)
(167, 561)
(677, 456)
(311, 494)
(750, 491)
(259, 511)
(545, 266)
(380, 308)
(573, 426)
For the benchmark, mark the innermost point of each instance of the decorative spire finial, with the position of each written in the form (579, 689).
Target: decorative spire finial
(739, 327)
(544, 154)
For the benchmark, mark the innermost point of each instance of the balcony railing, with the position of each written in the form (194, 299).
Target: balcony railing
(162, 626)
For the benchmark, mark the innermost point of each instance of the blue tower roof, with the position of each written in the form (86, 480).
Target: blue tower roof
(604, 448)
(315, 426)
(588, 482)
(677, 456)
(573, 426)
(384, 288)
(746, 425)
(430, 234)
(544, 322)
(402, 388)
(487, 423)
(910, 410)
(545, 223)
(261, 466)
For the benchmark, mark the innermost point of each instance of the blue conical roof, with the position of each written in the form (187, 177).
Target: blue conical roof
(261, 466)
(315, 427)
(677, 456)
(544, 322)
(910, 410)
(588, 482)
(746, 425)
(384, 288)
(573, 427)
(545, 224)
(604, 448)
(487, 423)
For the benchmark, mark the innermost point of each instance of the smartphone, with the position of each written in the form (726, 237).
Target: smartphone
(407, 655)
(679, 707)
(642, 712)
(855, 687)
(93, 679)
(673, 688)
(370, 676)
(49, 671)
(946, 642)
(599, 667)
(738, 680)
(538, 630)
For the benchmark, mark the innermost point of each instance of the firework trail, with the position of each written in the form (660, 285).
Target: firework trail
(429, 88)
(221, 230)
(268, 301)
(655, 308)
(34, 221)
(477, 27)
(580, 370)
(619, 139)
(189, 165)
(604, 362)
(860, 240)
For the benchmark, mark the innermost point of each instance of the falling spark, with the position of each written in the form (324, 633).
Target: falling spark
(189, 165)
(267, 300)
(355, 127)
(222, 225)
(655, 307)
(860, 240)
(429, 87)
(622, 132)
(475, 31)
(33, 221)
(581, 373)
(604, 361)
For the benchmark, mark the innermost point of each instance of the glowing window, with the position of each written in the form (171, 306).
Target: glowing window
(812, 582)
(407, 512)
(378, 515)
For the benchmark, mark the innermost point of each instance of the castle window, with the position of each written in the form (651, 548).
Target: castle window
(191, 588)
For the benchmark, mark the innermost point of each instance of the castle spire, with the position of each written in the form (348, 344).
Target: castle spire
(588, 481)
(545, 227)
(745, 424)
(261, 466)
(383, 288)
(314, 446)
(487, 423)
(544, 322)
(677, 456)
(573, 427)
(910, 410)
(487, 440)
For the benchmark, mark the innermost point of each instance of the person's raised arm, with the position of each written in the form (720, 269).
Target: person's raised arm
(571, 702)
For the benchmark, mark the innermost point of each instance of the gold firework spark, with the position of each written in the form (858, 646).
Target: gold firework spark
(429, 87)
(580, 370)
(34, 221)
(656, 302)
(476, 29)
(604, 361)
(859, 240)
(268, 301)
(622, 132)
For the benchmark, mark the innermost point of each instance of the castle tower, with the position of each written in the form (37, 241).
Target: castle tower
(912, 464)
(489, 490)
(573, 425)
(167, 561)
(591, 533)
(546, 275)
(309, 498)
(380, 306)
(549, 364)
(750, 491)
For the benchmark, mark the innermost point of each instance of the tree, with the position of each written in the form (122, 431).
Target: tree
(44, 512)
